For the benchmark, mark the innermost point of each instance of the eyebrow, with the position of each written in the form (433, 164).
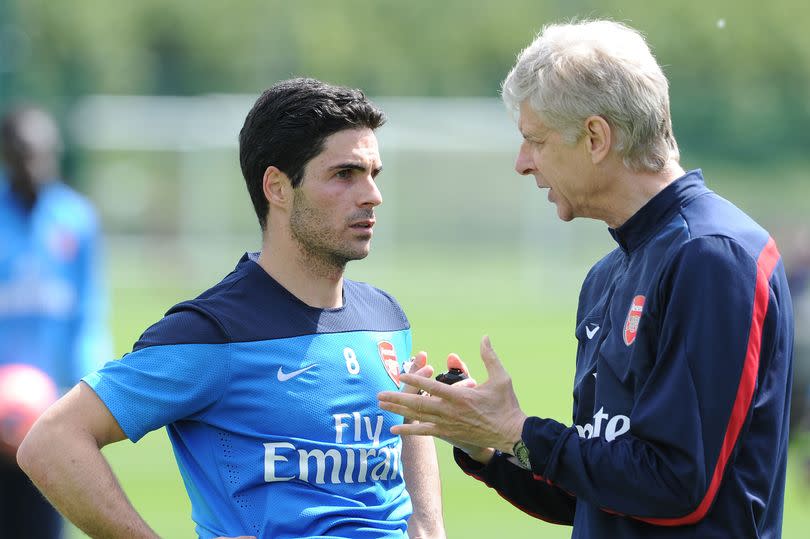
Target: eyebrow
(531, 136)
(355, 166)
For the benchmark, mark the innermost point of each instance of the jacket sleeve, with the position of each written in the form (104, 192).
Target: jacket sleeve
(714, 308)
(521, 488)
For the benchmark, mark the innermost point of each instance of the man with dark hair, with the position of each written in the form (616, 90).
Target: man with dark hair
(52, 295)
(267, 382)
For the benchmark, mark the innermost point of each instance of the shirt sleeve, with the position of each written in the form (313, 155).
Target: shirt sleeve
(521, 488)
(164, 381)
(716, 307)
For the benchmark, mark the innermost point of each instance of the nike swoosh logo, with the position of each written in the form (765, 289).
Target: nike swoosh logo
(283, 377)
(590, 332)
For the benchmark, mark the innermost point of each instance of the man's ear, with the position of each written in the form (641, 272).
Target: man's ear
(277, 187)
(599, 138)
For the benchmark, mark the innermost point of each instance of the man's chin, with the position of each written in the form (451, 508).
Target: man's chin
(356, 253)
(565, 214)
(360, 254)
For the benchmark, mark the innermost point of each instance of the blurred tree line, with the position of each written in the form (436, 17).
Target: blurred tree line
(739, 70)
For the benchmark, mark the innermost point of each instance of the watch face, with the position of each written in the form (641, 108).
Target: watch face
(522, 454)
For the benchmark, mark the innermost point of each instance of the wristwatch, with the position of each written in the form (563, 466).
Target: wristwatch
(521, 453)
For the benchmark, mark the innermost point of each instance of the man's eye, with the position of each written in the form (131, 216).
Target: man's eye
(344, 174)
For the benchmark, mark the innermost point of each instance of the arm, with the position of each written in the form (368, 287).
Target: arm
(477, 420)
(421, 471)
(666, 469)
(503, 473)
(62, 456)
(520, 487)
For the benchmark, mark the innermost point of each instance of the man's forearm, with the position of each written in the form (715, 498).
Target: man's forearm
(421, 471)
(69, 469)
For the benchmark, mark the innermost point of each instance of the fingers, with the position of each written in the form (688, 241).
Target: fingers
(418, 366)
(424, 372)
(428, 385)
(412, 405)
(490, 358)
(421, 410)
(408, 400)
(467, 382)
(414, 429)
(454, 362)
(419, 361)
(408, 413)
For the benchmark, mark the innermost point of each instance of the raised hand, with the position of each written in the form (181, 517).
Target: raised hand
(466, 415)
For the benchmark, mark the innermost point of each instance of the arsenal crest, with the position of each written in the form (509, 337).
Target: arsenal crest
(388, 355)
(633, 318)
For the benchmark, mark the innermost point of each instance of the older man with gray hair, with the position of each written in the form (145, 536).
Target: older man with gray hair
(684, 330)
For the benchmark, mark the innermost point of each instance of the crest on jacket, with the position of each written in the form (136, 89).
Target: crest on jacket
(633, 318)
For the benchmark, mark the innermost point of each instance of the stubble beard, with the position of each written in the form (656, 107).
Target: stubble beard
(321, 250)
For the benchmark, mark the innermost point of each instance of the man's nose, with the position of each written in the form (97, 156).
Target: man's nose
(371, 193)
(524, 164)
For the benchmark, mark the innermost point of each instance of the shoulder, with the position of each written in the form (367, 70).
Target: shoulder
(709, 251)
(201, 320)
(184, 323)
(710, 263)
(71, 208)
(714, 233)
(711, 215)
(367, 293)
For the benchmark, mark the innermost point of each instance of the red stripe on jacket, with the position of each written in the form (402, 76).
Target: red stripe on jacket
(766, 263)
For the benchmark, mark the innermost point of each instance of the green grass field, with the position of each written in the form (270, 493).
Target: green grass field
(525, 305)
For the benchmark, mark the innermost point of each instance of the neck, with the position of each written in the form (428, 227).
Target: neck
(632, 190)
(26, 192)
(310, 278)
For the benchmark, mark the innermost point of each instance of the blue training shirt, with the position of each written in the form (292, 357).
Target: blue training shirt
(53, 302)
(271, 407)
(682, 385)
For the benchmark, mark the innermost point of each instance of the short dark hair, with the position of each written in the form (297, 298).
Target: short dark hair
(288, 125)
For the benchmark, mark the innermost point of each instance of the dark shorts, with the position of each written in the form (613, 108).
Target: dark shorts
(24, 512)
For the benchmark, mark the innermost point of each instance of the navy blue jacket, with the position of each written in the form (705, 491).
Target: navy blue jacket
(681, 393)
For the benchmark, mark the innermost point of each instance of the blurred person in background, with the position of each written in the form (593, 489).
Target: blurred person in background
(684, 331)
(267, 382)
(52, 295)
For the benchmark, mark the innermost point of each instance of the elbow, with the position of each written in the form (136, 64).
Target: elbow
(687, 501)
(689, 492)
(26, 452)
(32, 451)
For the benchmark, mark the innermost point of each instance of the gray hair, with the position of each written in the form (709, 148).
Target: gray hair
(597, 68)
